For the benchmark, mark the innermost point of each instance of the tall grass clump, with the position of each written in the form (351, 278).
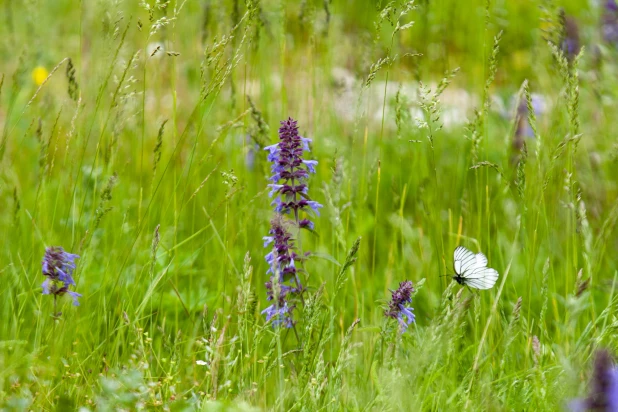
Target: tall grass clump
(171, 244)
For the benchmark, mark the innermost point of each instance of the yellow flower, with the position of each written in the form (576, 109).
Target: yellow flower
(39, 74)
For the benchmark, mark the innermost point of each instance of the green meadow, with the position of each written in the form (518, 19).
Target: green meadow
(132, 134)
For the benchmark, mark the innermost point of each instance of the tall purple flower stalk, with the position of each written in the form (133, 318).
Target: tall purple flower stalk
(398, 307)
(58, 266)
(603, 395)
(294, 207)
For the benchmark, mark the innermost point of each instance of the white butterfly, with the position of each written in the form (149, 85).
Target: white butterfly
(472, 270)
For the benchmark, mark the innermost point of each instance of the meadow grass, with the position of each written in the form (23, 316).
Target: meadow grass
(137, 144)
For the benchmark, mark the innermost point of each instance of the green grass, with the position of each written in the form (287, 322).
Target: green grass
(138, 163)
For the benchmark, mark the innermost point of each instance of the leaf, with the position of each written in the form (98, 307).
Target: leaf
(326, 256)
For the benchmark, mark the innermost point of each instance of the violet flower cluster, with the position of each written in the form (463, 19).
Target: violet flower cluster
(282, 260)
(398, 307)
(289, 189)
(603, 395)
(58, 266)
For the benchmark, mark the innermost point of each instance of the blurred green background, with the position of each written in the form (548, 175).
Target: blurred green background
(175, 99)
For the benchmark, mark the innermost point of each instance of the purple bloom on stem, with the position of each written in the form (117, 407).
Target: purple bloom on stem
(407, 312)
(289, 190)
(315, 206)
(58, 266)
(281, 316)
(290, 172)
(397, 308)
(306, 141)
(306, 224)
(311, 164)
(281, 257)
(46, 287)
(273, 152)
(279, 206)
(275, 189)
(75, 296)
(603, 389)
(270, 257)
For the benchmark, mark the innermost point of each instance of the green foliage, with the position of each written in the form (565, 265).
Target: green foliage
(138, 146)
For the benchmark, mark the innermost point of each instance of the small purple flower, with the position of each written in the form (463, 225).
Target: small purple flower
(397, 307)
(603, 388)
(273, 152)
(58, 267)
(47, 286)
(281, 316)
(311, 164)
(315, 206)
(306, 224)
(278, 205)
(75, 296)
(306, 141)
(275, 189)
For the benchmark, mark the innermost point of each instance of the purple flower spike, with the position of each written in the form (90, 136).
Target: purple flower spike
(58, 267)
(397, 308)
(603, 388)
(290, 170)
(290, 193)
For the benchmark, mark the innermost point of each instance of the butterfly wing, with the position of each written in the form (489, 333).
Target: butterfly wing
(481, 278)
(463, 260)
(472, 269)
(481, 259)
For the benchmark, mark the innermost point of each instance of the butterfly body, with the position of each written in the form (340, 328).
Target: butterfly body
(471, 269)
